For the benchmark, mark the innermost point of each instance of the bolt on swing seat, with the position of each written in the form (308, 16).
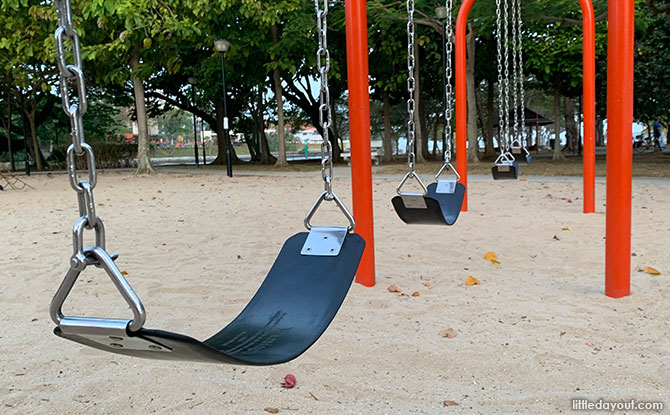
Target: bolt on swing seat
(505, 168)
(292, 308)
(440, 204)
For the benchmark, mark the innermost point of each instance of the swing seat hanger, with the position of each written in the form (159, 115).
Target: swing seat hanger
(326, 240)
(447, 185)
(411, 175)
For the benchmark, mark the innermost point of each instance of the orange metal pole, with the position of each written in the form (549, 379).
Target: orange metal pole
(620, 55)
(359, 134)
(460, 70)
(589, 104)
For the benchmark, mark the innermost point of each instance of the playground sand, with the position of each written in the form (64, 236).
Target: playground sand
(535, 334)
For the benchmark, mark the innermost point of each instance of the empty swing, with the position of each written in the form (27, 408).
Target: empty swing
(518, 146)
(293, 306)
(439, 203)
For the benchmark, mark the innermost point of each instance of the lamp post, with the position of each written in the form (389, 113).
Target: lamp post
(441, 13)
(194, 81)
(222, 47)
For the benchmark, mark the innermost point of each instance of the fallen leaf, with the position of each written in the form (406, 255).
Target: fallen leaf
(394, 289)
(450, 403)
(427, 284)
(101, 204)
(124, 273)
(569, 201)
(448, 333)
(285, 191)
(550, 196)
(491, 256)
(566, 228)
(272, 410)
(555, 238)
(652, 271)
(589, 344)
(160, 191)
(471, 281)
(522, 179)
(289, 381)
(545, 187)
(416, 294)
(237, 201)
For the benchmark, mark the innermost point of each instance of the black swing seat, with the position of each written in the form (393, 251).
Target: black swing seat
(521, 155)
(505, 171)
(292, 308)
(433, 208)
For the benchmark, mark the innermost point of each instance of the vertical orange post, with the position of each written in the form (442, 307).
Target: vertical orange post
(460, 70)
(359, 133)
(589, 104)
(620, 53)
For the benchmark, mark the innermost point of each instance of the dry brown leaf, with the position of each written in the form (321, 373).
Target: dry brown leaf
(550, 196)
(471, 281)
(491, 256)
(272, 410)
(450, 403)
(427, 284)
(394, 289)
(566, 228)
(416, 294)
(448, 333)
(545, 187)
(522, 179)
(159, 191)
(652, 271)
(124, 273)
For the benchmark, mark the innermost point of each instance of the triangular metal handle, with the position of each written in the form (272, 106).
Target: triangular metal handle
(95, 255)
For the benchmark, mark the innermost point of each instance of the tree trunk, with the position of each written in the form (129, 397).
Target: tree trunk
(36, 146)
(266, 157)
(281, 138)
(8, 127)
(570, 126)
(490, 151)
(143, 162)
(221, 137)
(388, 146)
(473, 151)
(557, 123)
(418, 144)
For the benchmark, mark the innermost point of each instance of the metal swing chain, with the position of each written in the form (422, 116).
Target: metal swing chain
(325, 119)
(501, 87)
(521, 77)
(448, 74)
(325, 114)
(411, 156)
(516, 142)
(73, 74)
(72, 77)
(506, 69)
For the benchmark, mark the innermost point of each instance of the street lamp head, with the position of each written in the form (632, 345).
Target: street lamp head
(441, 12)
(193, 80)
(221, 45)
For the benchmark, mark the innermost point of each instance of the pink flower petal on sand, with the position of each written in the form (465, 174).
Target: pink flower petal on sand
(289, 382)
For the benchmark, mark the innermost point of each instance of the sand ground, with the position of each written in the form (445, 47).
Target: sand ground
(535, 334)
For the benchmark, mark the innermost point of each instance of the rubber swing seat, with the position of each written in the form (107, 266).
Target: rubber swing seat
(437, 209)
(505, 171)
(292, 308)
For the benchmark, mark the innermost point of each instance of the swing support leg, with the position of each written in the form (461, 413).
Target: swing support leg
(620, 52)
(359, 133)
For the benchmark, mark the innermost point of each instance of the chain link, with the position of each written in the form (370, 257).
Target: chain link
(325, 111)
(73, 96)
(411, 156)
